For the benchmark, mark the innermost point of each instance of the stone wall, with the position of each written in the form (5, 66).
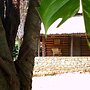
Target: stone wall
(57, 65)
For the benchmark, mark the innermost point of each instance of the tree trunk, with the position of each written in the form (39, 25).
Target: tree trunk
(8, 75)
(25, 61)
(11, 22)
(18, 75)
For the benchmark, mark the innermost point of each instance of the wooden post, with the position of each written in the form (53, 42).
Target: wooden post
(75, 45)
(71, 50)
(43, 46)
(38, 47)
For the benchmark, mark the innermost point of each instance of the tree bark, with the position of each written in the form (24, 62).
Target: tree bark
(25, 60)
(11, 22)
(8, 74)
(18, 75)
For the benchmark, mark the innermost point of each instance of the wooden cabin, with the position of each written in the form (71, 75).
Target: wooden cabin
(64, 45)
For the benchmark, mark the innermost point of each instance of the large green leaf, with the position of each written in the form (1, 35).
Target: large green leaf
(51, 10)
(86, 14)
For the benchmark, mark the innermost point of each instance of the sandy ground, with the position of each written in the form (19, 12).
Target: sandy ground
(68, 81)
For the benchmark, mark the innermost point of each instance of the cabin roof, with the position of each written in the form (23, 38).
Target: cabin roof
(66, 34)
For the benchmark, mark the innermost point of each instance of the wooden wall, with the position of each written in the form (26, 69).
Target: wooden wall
(85, 49)
(57, 41)
(63, 43)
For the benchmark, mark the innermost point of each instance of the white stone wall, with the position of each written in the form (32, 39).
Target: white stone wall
(57, 65)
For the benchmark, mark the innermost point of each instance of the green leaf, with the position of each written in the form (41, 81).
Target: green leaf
(86, 14)
(89, 44)
(51, 10)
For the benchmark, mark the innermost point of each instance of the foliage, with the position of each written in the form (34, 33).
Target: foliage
(51, 10)
(86, 14)
(15, 51)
